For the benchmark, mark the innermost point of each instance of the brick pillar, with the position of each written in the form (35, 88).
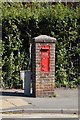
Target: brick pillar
(43, 81)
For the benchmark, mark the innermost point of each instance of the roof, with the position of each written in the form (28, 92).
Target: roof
(44, 38)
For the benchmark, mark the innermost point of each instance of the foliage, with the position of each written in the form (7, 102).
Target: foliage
(23, 21)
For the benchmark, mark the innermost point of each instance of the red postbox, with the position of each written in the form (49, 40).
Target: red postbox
(45, 58)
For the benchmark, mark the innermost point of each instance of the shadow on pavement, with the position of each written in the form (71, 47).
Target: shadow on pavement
(19, 94)
(11, 94)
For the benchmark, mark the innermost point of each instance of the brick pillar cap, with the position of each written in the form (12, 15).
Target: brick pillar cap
(44, 38)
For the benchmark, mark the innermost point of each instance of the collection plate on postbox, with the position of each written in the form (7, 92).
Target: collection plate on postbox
(45, 58)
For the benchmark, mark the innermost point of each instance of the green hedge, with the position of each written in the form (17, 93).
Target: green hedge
(22, 22)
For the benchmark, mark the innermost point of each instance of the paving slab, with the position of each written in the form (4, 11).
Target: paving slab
(17, 101)
(4, 104)
(12, 102)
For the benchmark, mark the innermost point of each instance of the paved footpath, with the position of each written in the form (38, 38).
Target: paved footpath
(66, 101)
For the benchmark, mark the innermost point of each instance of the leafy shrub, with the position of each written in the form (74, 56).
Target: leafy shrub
(22, 22)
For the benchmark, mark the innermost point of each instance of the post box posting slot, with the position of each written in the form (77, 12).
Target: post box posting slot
(45, 58)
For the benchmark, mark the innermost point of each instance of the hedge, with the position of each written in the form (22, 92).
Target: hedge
(22, 22)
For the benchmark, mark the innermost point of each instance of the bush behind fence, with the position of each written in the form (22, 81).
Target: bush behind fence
(22, 22)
